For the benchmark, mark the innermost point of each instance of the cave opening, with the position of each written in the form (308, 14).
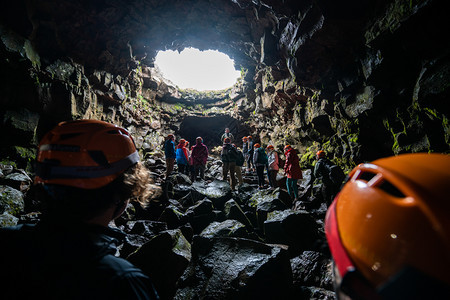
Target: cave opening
(191, 68)
(211, 129)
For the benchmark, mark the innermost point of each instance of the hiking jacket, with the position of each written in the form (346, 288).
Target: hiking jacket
(260, 157)
(229, 153)
(245, 148)
(273, 160)
(292, 165)
(169, 149)
(182, 156)
(250, 147)
(62, 261)
(199, 154)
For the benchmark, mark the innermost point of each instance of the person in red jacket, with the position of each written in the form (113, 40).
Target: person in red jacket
(292, 171)
(199, 156)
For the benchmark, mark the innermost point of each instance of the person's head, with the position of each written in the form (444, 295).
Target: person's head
(244, 139)
(198, 140)
(182, 142)
(170, 137)
(249, 137)
(270, 148)
(287, 147)
(388, 229)
(227, 130)
(320, 154)
(227, 140)
(85, 167)
(256, 146)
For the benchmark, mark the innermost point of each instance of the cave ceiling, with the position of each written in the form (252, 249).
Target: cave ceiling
(113, 34)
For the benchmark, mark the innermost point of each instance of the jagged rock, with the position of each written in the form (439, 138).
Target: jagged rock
(173, 217)
(265, 201)
(311, 292)
(201, 215)
(312, 269)
(11, 200)
(217, 191)
(18, 180)
(297, 229)
(227, 228)
(7, 220)
(234, 211)
(233, 268)
(164, 259)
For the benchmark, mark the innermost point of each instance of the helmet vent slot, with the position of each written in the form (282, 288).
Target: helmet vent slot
(99, 157)
(391, 189)
(366, 176)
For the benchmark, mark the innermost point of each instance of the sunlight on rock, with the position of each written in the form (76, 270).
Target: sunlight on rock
(199, 70)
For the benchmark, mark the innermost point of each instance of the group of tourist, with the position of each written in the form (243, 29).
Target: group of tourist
(251, 158)
(191, 162)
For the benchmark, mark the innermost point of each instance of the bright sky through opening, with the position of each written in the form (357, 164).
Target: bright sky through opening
(199, 70)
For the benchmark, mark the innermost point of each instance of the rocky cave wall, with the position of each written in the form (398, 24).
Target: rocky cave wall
(361, 80)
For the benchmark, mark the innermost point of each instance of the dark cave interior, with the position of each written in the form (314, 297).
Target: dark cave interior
(211, 129)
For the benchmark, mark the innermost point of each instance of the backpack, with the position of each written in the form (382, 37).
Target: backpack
(240, 159)
(262, 157)
(335, 174)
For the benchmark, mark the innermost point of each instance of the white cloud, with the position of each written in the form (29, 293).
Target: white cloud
(195, 69)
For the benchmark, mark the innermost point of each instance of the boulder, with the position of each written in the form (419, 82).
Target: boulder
(265, 201)
(312, 268)
(217, 191)
(234, 211)
(173, 217)
(7, 220)
(18, 179)
(235, 268)
(11, 201)
(297, 229)
(201, 215)
(227, 228)
(164, 259)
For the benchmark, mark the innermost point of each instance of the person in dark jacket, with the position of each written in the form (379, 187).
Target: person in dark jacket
(250, 153)
(322, 170)
(245, 152)
(260, 161)
(199, 157)
(292, 171)
(87, 171)
(170, 154)
(229, 156)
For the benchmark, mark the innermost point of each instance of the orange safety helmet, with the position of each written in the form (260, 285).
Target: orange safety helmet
(244, 138)
(256, 145)
(86, 154)
(320, 154)
(391, 216)
(287, 147)
(270, 147)
(249, 137)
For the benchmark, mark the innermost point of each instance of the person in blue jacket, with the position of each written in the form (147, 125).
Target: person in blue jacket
(169, 152)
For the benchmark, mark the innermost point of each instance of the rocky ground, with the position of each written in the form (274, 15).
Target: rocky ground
(203, 240)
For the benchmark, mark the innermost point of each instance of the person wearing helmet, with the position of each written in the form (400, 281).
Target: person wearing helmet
(331, 175)
(170, 153)
(245, 152)
(388, 229)
(87, 172)
(199, 157)
(227, 134)
(229, 156)
(260, 161)
(292, 171)
(182, 157)
(273, 168)
(250, 151)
